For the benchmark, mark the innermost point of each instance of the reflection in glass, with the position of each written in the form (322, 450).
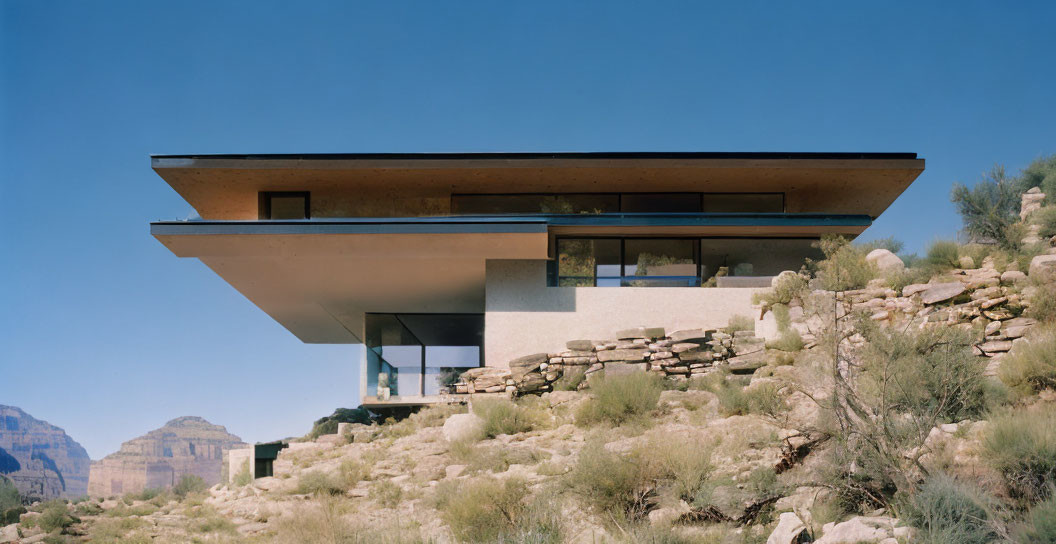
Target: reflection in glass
(420, 354)
(660, 263)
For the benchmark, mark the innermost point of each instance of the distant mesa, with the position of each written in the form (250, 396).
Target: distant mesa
(158, 459)
(40, 458)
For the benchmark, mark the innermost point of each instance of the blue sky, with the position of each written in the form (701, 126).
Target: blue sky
(107, 334)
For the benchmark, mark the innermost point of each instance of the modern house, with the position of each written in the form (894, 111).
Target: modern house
(438, 263)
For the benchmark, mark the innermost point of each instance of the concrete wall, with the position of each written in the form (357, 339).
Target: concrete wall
(524, 316)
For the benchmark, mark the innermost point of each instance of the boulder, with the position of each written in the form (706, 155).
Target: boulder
(940, 292)
(691, 335)
(790, 530)
(482, 378)
(884, 260)
(862, 530)
(913, 289)
(523, 365)
(579, 345)
(622, 369)
(462, 427)
(623, 355)
(746, 364)
(1043, 268)
(1012, 276)
(684, 346)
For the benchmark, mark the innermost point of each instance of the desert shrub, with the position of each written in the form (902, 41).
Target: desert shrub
(844, 267)
(54, 516)
(787, 287)
(502, 416)
(145, 495)
(1039, 527)
(890, 243)
(317, 482)
(244, 477)
(737, 400)
(740, 323)
(10, 502)
(790, 340)
(189, 483)
(430, 416)
(213, 523)
(944, 510)
(1021, 445)
(386, 493)
(618, 399)
(1031, 366)
(685, 462)
(918, 273)
(989, 208)
(944, 254)
(492, 510)
(116, 531)
(325, 521)
(1040, 173)
(1045, 219)
(1043, 302)
(88, 508)
(611, 484)
(328, 424)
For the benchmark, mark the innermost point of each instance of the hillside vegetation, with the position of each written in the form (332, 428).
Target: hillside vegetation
(898, 402)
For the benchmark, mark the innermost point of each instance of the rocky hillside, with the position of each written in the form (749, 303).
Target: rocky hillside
(40, 458)
(158, 459)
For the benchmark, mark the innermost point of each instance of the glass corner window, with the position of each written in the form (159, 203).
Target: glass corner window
(285, 205)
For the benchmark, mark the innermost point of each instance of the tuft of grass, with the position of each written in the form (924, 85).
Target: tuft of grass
(317, 482)
(327, 520)
(611, 484)
(945, 510)
(1045, 219)
(1039, 525)
(386, 493)
(739, 323)
(618, 399)
(116, 531)
(491, 510)
(1031, 367)
(244, 477)
(1021, 445)
(944, 254)
(790, 340)
(737, 400)
(685, 462)
(502, 416)
(1043, 302)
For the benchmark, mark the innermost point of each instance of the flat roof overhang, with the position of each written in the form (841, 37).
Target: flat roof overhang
(857, 183)
(318, 277)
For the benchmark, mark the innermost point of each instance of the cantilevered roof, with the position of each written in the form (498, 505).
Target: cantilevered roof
(224, 186)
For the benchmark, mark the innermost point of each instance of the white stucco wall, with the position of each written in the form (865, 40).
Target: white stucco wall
(524, 316)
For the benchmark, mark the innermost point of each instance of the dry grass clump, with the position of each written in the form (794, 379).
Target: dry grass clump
(945, 510)
(431, 416)
(491, 510)
(737, 400)
(118, 531)
(620, 399)
(503, 416)
(739, 323)
(614, 486)
(318, 482)
(1031, 366)
(684, 461)
(328, 520)
(1021, 445)
(386, 493)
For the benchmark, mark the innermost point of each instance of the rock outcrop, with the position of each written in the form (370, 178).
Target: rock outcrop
(158, 459)
(40, 458)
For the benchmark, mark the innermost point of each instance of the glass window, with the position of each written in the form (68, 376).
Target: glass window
(527, 204)
(284, 205)
(753, 257)
(416, 354)
(657, 262)
(660, 203)
(588, 262)
(743, 203)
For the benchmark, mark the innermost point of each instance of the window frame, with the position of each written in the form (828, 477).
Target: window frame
(264, 203)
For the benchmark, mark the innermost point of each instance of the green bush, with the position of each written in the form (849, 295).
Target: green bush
(844, 267)
(737, 400)
(10, 502)
(945, 511)
(611, 484)
(189, 483)
(1031, 367)
(244, 477)
(1045, 218)
(944, 254)
(1040, 525)
(990, 208)
(685, 462)
(790, 340)
(1021, 445)
(502, 416)
(788, 287)
(328, 424)
(618, 399)
(54, 516)
(890, 243)
(386, 493)
(740, 323)
(1040, 173)
(1043, 302)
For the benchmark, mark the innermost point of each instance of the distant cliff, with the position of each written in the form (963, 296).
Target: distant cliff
(158, 459)
(40, 458)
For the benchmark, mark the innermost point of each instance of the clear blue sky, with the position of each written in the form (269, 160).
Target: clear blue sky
(105, 333)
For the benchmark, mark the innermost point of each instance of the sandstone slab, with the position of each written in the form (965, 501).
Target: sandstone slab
(940, 292)
(623, 355)
(1043, 268)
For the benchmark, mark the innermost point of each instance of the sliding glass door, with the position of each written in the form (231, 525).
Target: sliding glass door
(421, 354)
